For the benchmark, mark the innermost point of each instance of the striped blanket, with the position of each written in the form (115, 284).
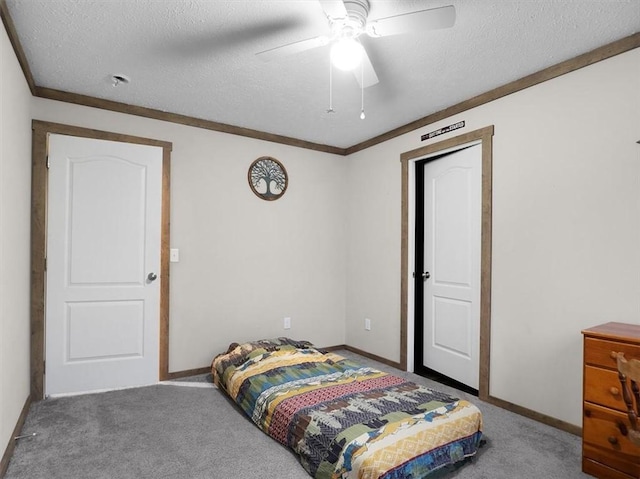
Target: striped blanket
(344, 420)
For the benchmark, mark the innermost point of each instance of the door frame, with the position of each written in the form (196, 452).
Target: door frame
(39, 187)
(407, 245)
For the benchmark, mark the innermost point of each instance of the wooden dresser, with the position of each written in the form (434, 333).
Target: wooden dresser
(607, 452)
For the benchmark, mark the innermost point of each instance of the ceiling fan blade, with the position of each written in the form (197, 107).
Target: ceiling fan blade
(431, 19)
(365, 74)
(292, 48)
(334, 8)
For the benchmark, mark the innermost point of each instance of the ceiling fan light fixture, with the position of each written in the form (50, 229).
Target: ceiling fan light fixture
(346, 54)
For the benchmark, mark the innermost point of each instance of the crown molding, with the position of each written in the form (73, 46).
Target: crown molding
(602, 53)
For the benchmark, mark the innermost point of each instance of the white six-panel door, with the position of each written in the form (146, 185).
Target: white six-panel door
(103, 265)
(452, 223)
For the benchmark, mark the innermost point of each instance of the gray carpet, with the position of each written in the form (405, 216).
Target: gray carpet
(173, 431)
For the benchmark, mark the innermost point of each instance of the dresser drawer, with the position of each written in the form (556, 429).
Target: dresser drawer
(597, 352)
(600, 470)
(602, 386)
(609, 465)
(603, 427)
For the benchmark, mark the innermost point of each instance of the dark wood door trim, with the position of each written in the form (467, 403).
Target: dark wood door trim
(39, 185)
(485, 135)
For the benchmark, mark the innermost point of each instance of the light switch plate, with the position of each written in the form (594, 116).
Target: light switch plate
(287, 323)
(174, 255)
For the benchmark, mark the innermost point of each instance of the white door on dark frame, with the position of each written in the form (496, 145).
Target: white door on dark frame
(103, 265)
(451, 270)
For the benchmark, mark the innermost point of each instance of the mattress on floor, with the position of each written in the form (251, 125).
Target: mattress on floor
(344, 420)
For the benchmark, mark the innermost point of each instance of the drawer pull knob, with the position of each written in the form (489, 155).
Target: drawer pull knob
(614, 355)
(614, 391)
(612, 440)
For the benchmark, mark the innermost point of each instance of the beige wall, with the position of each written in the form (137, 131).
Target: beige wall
(566, 230)
(15, 201)
(245, 263)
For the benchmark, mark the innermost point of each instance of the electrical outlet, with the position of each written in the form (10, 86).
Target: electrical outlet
(367, 324)
(287, 323)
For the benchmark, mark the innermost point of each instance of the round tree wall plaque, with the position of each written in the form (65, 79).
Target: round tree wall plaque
(267, 178)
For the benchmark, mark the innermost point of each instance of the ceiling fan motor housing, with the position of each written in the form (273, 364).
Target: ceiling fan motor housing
(357, 13)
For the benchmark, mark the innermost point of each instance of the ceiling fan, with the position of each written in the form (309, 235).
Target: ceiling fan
(348, 20)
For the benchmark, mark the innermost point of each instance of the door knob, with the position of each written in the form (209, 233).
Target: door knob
(152, 277)
(426, 275)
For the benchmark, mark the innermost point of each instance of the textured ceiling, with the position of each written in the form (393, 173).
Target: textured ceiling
(197, 57)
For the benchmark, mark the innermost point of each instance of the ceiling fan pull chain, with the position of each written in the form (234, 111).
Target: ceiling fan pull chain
(362, 116)
(330, 110)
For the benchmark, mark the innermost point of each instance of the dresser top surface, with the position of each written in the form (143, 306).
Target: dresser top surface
(621, 331)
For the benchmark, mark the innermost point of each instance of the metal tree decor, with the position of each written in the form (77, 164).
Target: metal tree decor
(267, 178)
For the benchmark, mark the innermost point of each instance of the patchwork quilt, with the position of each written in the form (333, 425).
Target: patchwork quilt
(344, 420)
